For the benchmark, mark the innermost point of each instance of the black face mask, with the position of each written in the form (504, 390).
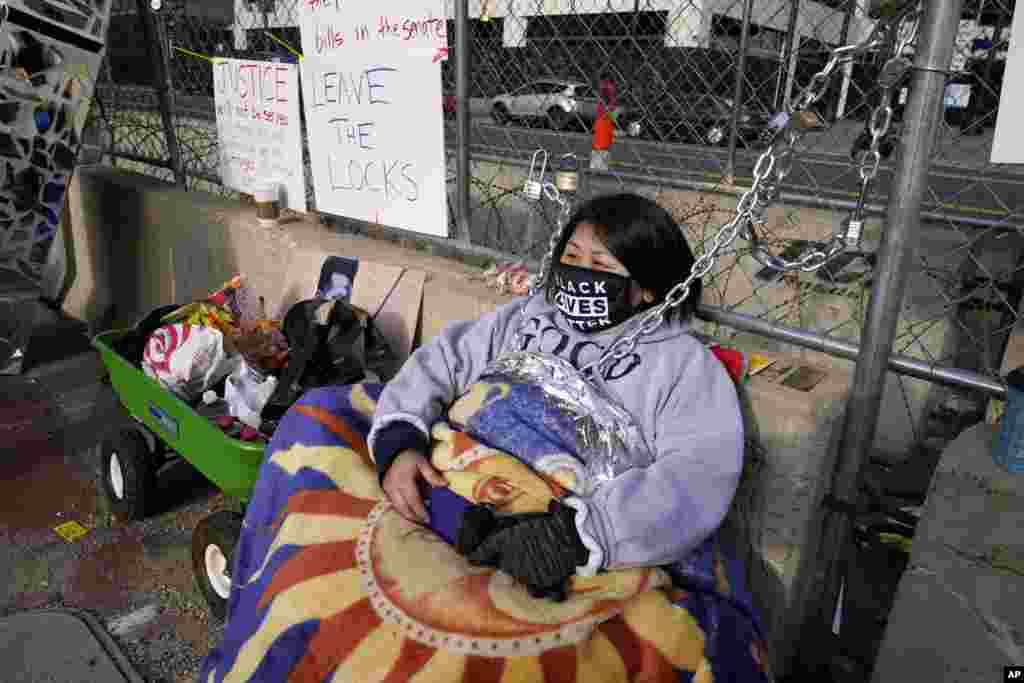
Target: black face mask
(591, 300)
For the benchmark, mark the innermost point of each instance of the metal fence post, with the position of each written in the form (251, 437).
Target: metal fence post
(737, 92)
(899, 241)
(783, 85)
(839, 106)
(157, 38)
(462, 170)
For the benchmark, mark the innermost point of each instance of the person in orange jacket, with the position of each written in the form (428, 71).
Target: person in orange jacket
(604, 127)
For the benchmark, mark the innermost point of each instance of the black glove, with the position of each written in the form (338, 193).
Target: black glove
(478, 522)
(541, 551)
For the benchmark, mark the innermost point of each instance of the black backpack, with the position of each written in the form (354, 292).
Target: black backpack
(331, 343)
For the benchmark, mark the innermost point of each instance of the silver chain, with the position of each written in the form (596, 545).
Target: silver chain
(750, 209)
(537, 286)
(655, 317)
(565, 210)
(902, 28)
(881, 116)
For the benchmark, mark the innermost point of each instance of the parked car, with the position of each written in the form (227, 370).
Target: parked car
(561, 104)
(701, 119)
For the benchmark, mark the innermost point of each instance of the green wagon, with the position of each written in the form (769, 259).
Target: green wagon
(162, 428)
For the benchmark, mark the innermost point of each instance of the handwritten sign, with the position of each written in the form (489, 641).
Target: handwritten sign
(372, 98)
(1008, 142)
(259, 129)
(331, 26)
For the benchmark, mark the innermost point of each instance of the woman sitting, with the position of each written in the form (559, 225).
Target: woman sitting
(619, 256)
(330, 582)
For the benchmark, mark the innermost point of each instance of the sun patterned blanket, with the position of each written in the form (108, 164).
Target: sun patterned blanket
(330, 584)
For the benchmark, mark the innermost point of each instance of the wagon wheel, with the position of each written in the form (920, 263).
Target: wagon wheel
(213, 548)
(128, 472)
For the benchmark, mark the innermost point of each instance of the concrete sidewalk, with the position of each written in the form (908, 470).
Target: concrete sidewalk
(84, 652)
(134, 579)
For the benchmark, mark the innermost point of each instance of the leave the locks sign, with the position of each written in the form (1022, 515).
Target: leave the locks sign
(372, 99)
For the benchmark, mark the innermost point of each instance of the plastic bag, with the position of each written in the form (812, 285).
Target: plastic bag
(187, 359)
(246, 392)
(239, 299)
(331, 342)
(202, 314)
(231, 306)
(261, 344)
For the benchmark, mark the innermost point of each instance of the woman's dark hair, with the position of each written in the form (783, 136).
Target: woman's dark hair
(645, 239)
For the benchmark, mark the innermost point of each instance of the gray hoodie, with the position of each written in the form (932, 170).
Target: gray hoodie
(678, 392)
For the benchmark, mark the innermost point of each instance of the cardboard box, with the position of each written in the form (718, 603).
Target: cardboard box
(392, 294)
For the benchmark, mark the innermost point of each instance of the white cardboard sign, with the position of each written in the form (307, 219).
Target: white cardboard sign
(259, 127)
(372, 98)
(1008, 140)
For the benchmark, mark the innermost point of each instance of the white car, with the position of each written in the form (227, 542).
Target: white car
(559, 103)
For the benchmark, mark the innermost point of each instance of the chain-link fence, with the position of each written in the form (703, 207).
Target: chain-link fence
(694, 85)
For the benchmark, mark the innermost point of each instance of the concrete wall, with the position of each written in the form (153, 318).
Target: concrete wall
(959, 610)
(139, 244)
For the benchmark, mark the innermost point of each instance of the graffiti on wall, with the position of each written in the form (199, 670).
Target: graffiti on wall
(50, 53)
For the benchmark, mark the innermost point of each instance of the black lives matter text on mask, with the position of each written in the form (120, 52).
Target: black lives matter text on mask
(582, 306)
(588, 325)
(583, 300)
(581, 287)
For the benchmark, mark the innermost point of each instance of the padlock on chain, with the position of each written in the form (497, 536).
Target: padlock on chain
(567, 177)
(803, 121)
(533, 188)
(808, 120)
(852, 230)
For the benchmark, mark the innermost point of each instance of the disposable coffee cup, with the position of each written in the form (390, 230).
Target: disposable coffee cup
(268, 204)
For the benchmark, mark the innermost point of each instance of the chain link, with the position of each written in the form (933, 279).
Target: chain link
(871, 158)
(752, 204)
(538, 284)
(655, 317)
(556, 236)
(904, 29)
